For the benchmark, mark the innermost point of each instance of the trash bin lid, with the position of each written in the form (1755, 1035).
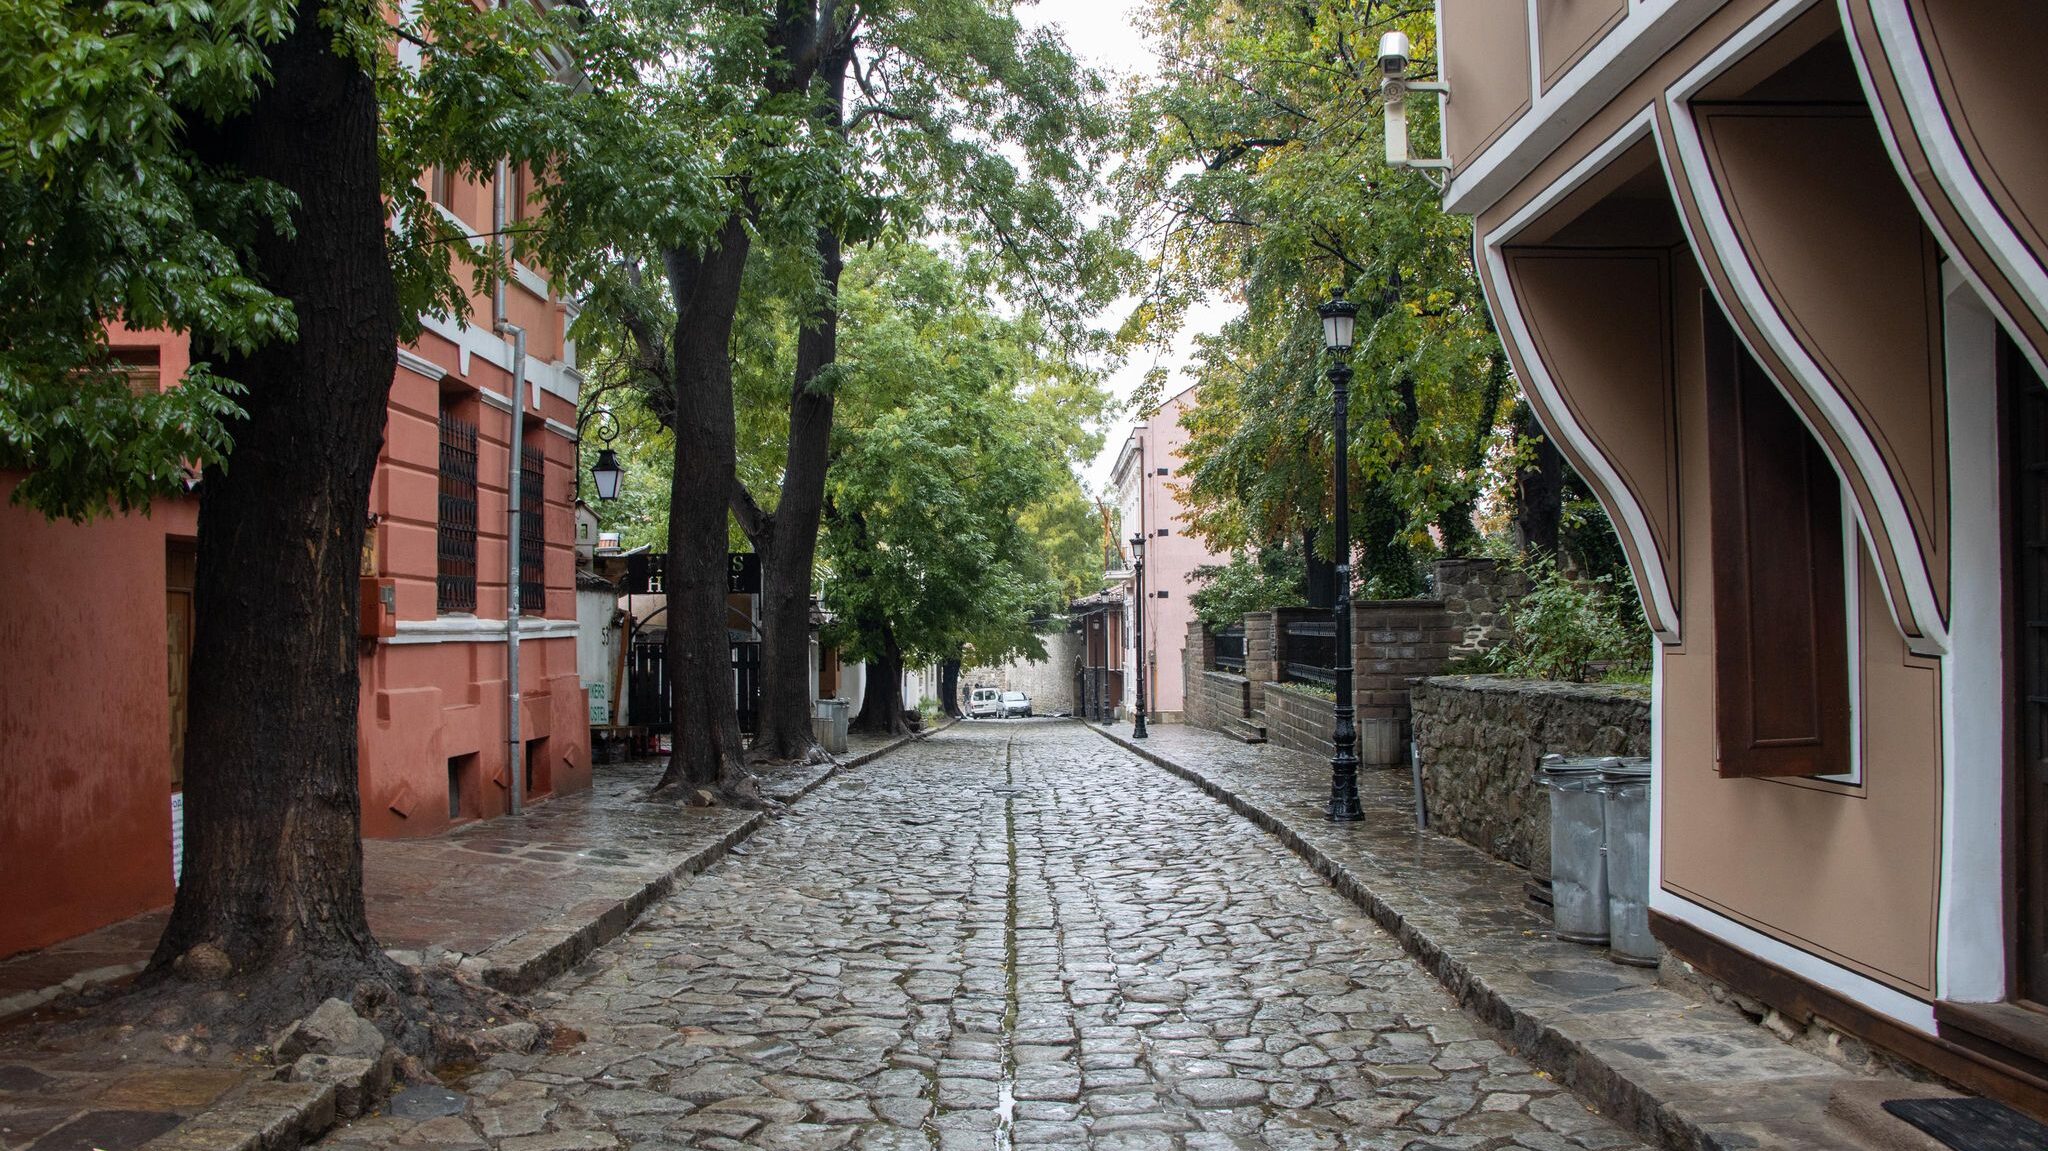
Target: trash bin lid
(1624, 771)
(1561, 767)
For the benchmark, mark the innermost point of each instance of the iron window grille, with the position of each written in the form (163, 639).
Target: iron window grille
(532, 520)
(455, 527)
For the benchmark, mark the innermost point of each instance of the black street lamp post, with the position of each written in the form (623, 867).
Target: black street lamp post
(1339, 315)
(1138, 583)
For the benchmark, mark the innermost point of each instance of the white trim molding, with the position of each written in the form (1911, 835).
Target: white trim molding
(1945, 156)
(1928, 216)
(1628, 515)
(1885, 1000)
(556, 379)
(1926, 633)
(420, 365)
(1651, 28)
(561, 429)
(1970, 929)
(471, 629)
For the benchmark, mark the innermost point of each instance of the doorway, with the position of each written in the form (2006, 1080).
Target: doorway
(181, 569)
(2025, 400)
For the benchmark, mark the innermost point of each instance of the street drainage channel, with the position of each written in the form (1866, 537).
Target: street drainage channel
(1006, 1088)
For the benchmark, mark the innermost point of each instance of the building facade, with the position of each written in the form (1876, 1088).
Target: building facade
(1145, 479)
(1774, 277)
(97, 620)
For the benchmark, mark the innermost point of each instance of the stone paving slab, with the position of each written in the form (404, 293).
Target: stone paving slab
(514, 901)
(1012, 936)
(1691, 1075)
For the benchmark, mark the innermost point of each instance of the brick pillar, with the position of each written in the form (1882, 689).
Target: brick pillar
(1393, 643)
(1196, 657)
(1261, 654)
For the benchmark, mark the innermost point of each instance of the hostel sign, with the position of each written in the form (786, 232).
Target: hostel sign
(646, 573)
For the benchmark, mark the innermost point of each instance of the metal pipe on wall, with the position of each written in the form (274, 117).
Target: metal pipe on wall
(515, 748)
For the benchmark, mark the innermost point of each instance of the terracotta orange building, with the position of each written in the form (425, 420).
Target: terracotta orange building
(1773, 273)
(96, 620)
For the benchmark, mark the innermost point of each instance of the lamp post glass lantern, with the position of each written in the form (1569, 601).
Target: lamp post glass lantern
(1339, 316)
(1138, 586)
(606, 473)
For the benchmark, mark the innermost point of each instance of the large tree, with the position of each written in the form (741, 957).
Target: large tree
(952, 492)
(903, 120)
(1258, 170)
(223, 170)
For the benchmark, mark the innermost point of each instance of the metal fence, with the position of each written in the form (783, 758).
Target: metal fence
(1308, 651)
(1230, 648)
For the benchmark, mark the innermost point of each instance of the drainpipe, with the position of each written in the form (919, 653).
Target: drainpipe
(515, 749)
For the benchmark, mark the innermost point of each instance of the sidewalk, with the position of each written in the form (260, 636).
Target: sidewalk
(1679, 1071)
(516, 900)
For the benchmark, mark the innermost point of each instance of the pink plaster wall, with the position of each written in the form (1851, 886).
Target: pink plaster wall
(1170, 560)
(84, 708)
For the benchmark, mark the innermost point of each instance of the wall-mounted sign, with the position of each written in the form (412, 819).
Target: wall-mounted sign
(645, 573)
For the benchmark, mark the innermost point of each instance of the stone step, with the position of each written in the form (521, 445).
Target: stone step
(1244, 731)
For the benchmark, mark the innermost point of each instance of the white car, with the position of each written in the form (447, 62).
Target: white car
(984, 703)
(1016, 703)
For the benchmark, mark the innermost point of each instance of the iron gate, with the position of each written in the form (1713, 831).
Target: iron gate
(746, 683)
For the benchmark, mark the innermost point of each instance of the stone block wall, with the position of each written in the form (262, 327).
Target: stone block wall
(1479, 739)
(1476, 593)
(1298, 719)
(1049, 681)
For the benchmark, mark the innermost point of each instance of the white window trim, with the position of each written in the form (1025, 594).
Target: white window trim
(474, 629)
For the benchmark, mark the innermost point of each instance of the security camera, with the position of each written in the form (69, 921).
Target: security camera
(1395, 52)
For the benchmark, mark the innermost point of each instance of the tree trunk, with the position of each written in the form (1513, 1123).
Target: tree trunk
(1460, 534)
(949, 687)
(783, 729)
(273, 865)
(706, 739)
(881, 713)
(1539, 486)
(1320, 575)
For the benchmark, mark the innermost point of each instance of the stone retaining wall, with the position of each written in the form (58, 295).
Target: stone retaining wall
(1299, 719)
(1480, 737)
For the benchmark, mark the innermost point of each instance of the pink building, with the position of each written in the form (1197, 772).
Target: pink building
(96, 622)
(1145, 476)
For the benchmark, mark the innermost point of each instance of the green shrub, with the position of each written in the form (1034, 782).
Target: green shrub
(1576, 630)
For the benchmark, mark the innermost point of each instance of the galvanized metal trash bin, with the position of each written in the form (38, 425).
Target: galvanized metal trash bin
(1578, 868)
(1626, 785)
(828, 727)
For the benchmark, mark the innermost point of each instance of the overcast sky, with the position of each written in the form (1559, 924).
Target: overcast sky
(1104, 34)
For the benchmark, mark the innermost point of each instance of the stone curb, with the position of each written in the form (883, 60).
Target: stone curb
(526, 961)
(268, 1115)
(23, 1002)
(1561, 1046)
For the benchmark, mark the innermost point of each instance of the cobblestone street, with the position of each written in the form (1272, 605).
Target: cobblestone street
(1012, 934)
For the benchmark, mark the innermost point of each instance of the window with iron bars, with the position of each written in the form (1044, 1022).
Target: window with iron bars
(455, 528)
(532, 538)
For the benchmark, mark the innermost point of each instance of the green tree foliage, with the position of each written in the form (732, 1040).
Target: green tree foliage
(1258, 172)
(107, 213)
(955, 517)
(1252, 580)
(1573, 629)
(113, 211)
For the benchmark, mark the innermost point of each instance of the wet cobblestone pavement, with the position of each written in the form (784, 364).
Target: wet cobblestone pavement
(1013, 934)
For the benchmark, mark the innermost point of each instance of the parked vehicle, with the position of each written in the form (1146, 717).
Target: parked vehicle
(1016, 703)
(984, 703)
